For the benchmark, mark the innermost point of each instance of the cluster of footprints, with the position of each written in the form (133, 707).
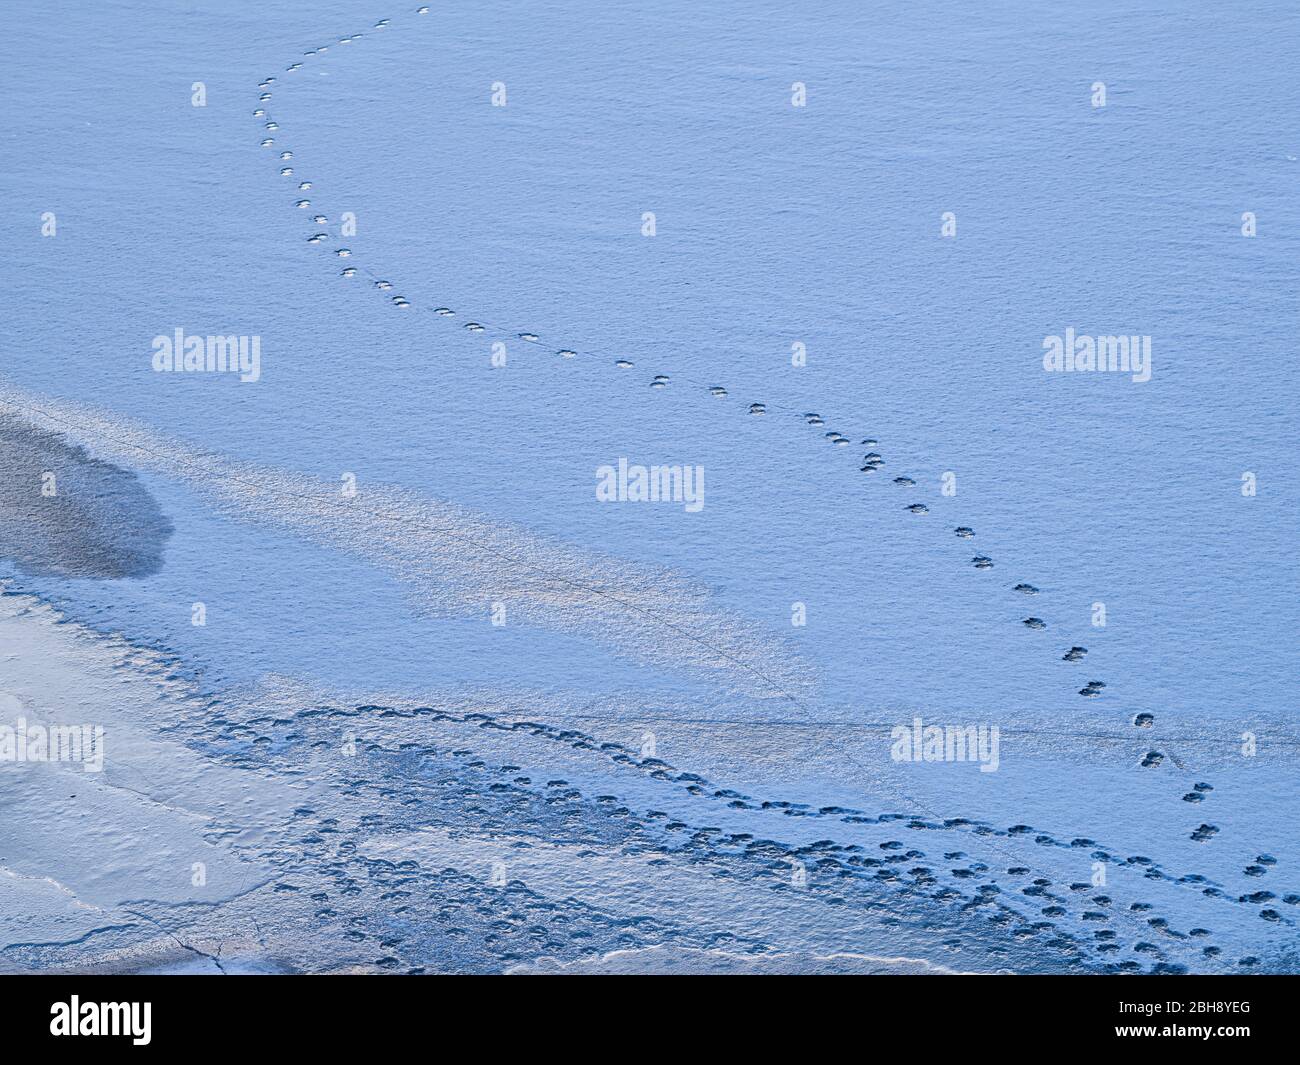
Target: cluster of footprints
(873, 462)
(459, 781)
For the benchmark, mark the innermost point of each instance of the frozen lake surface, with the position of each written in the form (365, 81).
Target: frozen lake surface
(385, 685)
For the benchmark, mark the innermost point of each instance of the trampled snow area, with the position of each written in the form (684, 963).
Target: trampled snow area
(389, 668)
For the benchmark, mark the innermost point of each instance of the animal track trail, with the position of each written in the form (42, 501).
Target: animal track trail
(700, 786)
(872, 462)
(265, 735)
(403, 746)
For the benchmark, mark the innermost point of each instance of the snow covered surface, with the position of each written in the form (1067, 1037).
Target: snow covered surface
(348, 766)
